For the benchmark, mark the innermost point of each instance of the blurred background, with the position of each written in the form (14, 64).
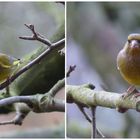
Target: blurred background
(47, 17)
(96, 31)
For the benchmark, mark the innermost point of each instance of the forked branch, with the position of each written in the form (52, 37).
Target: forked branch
(36, 36)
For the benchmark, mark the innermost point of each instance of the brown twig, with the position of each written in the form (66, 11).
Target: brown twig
(71, 69)
(17, 120)
(93, 112)
(87, 117)
(35, 36)
(84, 113)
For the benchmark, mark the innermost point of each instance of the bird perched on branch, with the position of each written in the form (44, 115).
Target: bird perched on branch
(128, 61)
(7, 66)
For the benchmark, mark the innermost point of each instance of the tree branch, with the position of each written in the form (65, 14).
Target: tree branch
(93, 112)
(86, 97)
(59, 85)
(16, 99)
(53, 47)
(38, 103)
(70, 70)
(20, 116)
(35, 36)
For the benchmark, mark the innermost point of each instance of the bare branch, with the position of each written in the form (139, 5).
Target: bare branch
(57, 105)
(17, 120)
(84, 113)
(59, 85)
(54, 46)
(35, 36)
(93, 110)
(16, 99)
(71, 69)
(27, 38)
(7, 122)
(37, 103)
(99, 133)
(88, 98)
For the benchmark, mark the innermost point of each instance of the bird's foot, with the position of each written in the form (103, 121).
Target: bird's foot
(130, 91)
(137, 94)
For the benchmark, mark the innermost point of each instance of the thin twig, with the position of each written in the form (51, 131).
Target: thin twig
(35, 36)
(99, 133)
(93, 111)
(59, 85)
(17, 120)
(84, 113)
(7, 122)
(71, 69)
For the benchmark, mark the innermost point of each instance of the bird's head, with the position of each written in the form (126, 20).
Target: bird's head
(132, 45)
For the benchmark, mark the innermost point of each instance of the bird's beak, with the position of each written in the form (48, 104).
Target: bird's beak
(135, 44)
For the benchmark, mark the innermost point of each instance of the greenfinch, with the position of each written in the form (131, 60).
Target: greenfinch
(7, 66)
(128, 60)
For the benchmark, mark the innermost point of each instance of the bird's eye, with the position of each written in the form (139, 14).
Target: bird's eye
(129, 41)
(138, 41)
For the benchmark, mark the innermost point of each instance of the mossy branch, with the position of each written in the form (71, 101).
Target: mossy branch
(87, 97)
(36, 36)
(40, 102)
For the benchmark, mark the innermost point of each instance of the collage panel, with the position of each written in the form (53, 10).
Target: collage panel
(103, 76)
(32, 69)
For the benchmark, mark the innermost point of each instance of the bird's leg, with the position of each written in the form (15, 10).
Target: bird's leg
(137, 95)
(130, 91)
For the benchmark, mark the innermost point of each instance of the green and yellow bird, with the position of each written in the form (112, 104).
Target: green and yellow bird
(7, 66)
(128, 60)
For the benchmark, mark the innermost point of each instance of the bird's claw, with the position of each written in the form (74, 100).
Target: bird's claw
(137, 95)
(130, 91)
